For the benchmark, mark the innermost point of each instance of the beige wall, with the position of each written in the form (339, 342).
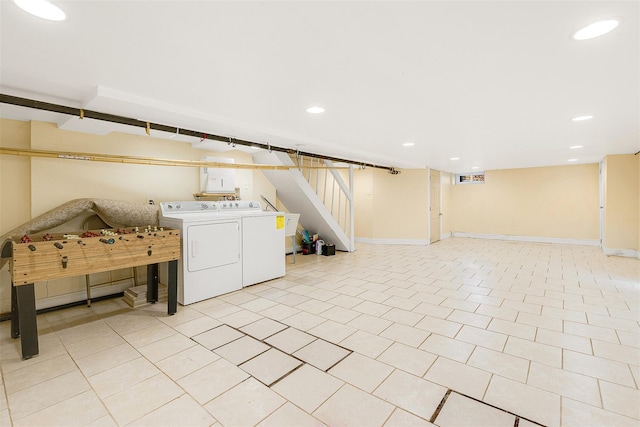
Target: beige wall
(553, 202)
(621, 202)
(32, 186)
(394, 207)
(363, 198)
(56, 181)
(15, 175)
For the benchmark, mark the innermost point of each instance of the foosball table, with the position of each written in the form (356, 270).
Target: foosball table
(47, 256)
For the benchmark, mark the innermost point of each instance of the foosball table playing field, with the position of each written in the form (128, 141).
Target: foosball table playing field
(42, 257)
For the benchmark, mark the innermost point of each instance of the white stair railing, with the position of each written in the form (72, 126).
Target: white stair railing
(330, 187)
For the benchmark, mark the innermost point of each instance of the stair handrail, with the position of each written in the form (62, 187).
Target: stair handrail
(269, 204)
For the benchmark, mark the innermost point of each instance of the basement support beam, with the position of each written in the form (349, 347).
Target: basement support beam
(81, 113)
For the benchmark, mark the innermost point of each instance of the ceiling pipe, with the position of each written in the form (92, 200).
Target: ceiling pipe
(112, 118)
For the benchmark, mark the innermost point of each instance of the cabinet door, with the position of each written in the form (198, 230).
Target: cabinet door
(213, 245)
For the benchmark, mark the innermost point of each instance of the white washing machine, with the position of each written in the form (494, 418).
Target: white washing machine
(211, 262)
(263, 241)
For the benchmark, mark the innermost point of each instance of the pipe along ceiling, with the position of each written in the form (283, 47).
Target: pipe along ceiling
(112, 118)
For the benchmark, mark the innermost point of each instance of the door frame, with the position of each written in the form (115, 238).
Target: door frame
(601, 201)
(439, 172)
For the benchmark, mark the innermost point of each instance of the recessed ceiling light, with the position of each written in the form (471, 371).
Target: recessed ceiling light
(581, 118)
(596, 29)
(572, 160)
(42, 9)
(408, 144)
(573, 147)
(315, 110)
(455, 158)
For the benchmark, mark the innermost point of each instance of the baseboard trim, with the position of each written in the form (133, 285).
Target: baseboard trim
(420, 242)
(553, 240)
(630, 253)
(72, 297)
(445, 236)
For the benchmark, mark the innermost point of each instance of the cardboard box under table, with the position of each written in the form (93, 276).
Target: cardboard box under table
(48, 257)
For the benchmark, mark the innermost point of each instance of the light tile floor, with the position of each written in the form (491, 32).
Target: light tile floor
(548, 333)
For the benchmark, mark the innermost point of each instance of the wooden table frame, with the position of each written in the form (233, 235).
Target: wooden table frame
(47, 260)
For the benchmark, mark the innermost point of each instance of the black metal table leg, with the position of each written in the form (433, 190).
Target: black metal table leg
(172, 291)
(152, 283)
(15, 319)
(26, 316)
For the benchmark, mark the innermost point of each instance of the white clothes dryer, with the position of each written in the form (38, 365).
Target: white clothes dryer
(263, 241)
(211, 262)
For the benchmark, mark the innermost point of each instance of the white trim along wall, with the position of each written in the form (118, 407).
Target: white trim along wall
(556, 240)
(621, 252)
(421, 242)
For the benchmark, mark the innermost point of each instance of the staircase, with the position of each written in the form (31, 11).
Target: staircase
(317, 192)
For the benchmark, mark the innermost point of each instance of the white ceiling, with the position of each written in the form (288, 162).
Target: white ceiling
(495, 83)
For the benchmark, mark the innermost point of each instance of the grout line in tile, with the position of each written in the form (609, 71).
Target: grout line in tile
(306, 345)
(272, 412)
(347, 355)
(215, 348)
(152, 410)
(440, 406)
(263, 317)
(244, 334)
(600, 393)
(390, 415)
(267, 337)
(200, 333)
(287, 374)
(276, 348)
(496, 407)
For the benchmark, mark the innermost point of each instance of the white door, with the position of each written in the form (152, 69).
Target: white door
(601, 203)
(213, 245)
(434, 210)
